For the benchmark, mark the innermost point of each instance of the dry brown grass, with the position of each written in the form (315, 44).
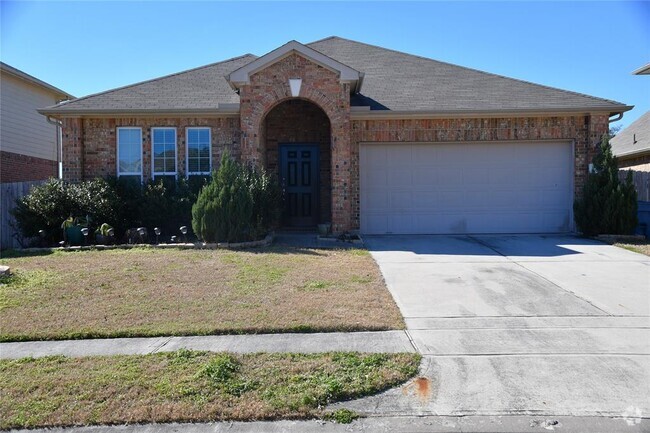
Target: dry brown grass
(189, 386)
(148, 292)
(641, 246)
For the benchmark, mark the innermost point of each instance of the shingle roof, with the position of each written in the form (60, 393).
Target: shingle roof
(393, 81)
(202, 88)
(633, 139)
(400, 81)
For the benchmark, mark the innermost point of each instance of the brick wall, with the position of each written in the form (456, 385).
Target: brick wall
(21, 168)
(269, 87)
(90, 145)
(300, 121)
(584, 131)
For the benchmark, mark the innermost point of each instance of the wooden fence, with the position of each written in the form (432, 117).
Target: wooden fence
(641, 182)
(9, 192)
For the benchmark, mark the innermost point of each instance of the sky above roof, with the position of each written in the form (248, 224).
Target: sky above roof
(83, 48)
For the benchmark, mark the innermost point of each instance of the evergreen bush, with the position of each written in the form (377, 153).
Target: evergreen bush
(607, 206)
(239, 204)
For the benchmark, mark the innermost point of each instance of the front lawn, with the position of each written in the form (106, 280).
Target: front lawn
(189, 386)
(153, 292)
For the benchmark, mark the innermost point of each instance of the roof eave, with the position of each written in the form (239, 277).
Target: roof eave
(422, 114)
(228, 111)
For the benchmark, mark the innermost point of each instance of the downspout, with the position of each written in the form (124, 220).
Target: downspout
(59, 144)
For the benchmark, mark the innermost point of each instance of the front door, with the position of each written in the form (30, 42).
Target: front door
(299, 180)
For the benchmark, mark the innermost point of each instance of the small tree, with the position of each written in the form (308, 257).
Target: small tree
(607, 204)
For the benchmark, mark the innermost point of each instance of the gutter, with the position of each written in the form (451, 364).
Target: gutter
(357, 113)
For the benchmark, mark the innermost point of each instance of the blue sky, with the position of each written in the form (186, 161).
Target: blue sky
(588, 47)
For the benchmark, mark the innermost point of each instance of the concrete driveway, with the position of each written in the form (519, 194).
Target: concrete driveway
(512, 325)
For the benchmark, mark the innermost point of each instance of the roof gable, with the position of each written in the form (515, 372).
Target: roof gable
(242, 75)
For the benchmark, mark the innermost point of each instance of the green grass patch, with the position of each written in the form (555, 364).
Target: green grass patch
(191, 386)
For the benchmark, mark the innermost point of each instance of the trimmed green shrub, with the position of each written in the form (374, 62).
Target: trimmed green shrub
(607, 206)
(122, 203)
(239, 204)
(165, 203)
(48, 205)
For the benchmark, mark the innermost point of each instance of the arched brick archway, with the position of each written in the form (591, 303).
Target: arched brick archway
(322, 87)
(288, 126)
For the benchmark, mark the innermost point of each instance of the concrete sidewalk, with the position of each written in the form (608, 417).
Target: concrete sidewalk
(368, 342)
(437, 424)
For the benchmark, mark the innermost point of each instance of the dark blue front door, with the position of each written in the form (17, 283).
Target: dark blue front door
(299, 180)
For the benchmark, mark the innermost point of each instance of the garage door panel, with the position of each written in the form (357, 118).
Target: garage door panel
(401, 201)
(376, 177)
(466, 188)
(400, 178)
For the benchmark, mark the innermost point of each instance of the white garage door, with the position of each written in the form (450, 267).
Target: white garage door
(466, 188)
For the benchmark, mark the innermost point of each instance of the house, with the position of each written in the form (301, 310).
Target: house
(631, 146)
(364, 137)
(29, 144)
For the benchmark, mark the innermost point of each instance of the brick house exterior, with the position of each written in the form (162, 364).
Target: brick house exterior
(329, 109)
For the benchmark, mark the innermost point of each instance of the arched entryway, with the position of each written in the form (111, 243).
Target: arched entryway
(296, 138)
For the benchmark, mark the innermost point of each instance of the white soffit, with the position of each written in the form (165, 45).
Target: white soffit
(242, 75)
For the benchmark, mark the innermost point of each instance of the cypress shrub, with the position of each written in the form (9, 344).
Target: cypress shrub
(237, 205)
(607, 206)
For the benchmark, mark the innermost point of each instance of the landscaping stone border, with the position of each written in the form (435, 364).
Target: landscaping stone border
(610, 239)
(268, 240)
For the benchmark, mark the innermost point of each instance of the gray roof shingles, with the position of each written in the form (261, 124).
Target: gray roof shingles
(393, 81)
(202, 88)
(633, 139)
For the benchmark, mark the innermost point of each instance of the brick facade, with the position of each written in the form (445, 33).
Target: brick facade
(300, 121)
(584, 131)
(270, 87)
(21, 168)
(90, 145)
(321, 113)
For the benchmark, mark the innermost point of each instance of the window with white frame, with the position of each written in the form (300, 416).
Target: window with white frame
(198, 151)
(129, 152)
(163, 142)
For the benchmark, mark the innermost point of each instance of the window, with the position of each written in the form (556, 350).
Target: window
(129, 152)
(198, 151)
(163, 142)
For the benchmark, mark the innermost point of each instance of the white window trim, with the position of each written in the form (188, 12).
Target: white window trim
(117, 153)
(189, 173)
(164, 173)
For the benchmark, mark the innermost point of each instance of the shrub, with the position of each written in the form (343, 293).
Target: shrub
(239, 204)
(48, 205)
(607, 204)
(122, 203)
(165, 202)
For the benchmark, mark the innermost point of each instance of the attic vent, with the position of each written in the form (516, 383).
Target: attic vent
(634, 138)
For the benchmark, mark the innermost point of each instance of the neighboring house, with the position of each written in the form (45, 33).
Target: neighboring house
(632, 145)
(29, 144)
(361, 136)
